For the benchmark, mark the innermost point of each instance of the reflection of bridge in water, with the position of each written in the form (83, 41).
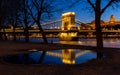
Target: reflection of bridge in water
(57, 54)
(67, 56)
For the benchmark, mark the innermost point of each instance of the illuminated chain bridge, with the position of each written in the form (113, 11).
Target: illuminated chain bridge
(57, 24)
(67, 27)
(50, 27)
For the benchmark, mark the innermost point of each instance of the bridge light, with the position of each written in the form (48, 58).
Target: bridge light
(68, 13)
(51, 27)
(55, 27)
(58, 27)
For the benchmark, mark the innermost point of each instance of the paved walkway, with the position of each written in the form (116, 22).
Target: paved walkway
(110, 65)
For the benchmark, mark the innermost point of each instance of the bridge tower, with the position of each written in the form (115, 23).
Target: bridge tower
(68, 24)
(68, 20)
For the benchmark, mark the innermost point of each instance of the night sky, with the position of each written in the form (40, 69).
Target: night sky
(85, 14)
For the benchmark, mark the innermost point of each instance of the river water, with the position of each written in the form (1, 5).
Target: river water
(108, 42)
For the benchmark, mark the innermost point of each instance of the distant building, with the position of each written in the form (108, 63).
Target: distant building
(111, 23)
(85, 27)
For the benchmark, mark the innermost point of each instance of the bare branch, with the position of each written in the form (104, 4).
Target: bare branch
(110, 2)
(35, 4)
(74, 3)
(91, 4)
(30, 12)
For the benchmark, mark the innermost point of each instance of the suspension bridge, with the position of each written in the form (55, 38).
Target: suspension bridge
(50, 27)
(68, 24)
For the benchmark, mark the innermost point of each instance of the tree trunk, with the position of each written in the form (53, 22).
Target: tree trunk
(42, 32)
(98, 25)
(14, 34)
(1, 36)
(45, 41)
(25, 3)
(26, 58)
(42, 57)
(99, 37)
(26, 34)
(4, 33)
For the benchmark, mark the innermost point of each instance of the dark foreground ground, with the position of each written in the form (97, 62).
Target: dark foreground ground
(110, 65)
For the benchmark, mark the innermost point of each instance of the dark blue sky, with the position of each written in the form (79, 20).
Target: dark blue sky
(85, 14)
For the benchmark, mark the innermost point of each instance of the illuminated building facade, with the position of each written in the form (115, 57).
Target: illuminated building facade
(111, 24)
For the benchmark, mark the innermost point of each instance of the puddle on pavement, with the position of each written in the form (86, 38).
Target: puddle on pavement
(65, 56)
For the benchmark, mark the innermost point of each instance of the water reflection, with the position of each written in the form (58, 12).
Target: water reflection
(65, 56)
(68, 56)
(108, 42)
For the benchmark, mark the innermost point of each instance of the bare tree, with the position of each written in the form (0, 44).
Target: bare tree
(3, 14)
(13, 17)
(99, 9)
(25, 18)
(5, 11)
(38, 9)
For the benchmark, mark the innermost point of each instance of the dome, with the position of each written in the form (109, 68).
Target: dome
(112, 18)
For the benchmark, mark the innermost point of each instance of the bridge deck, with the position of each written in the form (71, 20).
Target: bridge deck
(59, 31)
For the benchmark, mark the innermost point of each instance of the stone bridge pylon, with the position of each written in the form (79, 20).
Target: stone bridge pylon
(68, 24)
